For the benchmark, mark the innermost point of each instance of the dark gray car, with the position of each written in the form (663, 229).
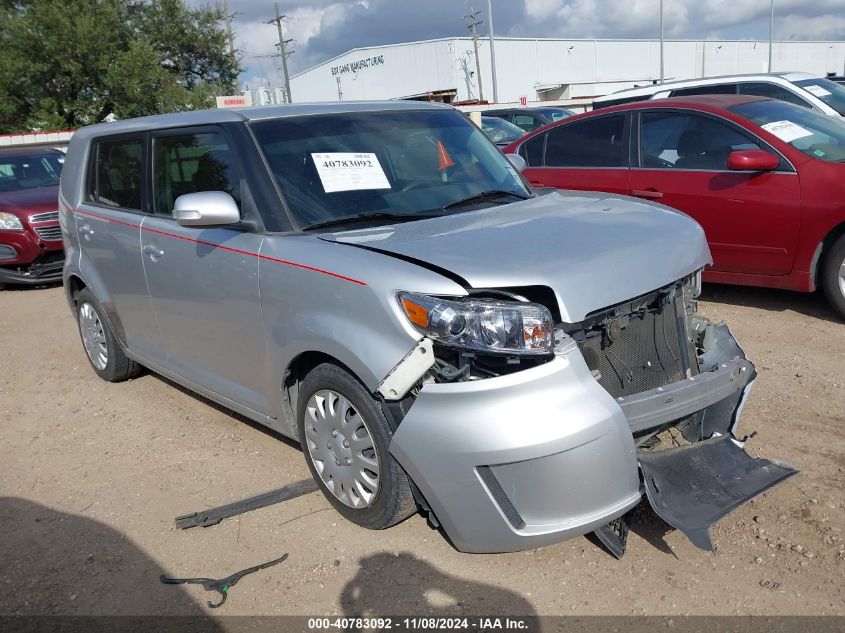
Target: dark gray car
(376, 281)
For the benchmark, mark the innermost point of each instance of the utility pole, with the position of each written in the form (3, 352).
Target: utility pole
(472, 23)
(283, 51)
(662, 75)
(771, 33)
(228, 17)
(492, 51)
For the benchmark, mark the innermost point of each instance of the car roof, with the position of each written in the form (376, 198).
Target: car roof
(699, 81)
(525, 109)
(714, 104)
(28, 151)
(701, 102)
(259, 113)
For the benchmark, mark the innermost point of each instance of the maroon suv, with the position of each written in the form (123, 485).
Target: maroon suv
(30, 237)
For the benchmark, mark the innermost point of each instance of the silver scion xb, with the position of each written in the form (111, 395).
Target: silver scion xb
(377, 281)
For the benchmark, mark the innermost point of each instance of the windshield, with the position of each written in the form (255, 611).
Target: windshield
(28, 171)
(554, 114)
(832, 93)
(500, 131)
(816, 135)
(333, 166)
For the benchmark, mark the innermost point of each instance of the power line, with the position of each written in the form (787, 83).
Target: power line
(472, 23)
(283, 51)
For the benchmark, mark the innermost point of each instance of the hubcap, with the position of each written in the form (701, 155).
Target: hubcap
(342, 449)
(93, 336)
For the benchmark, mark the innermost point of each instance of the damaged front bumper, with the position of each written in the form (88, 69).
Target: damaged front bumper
(541, 455)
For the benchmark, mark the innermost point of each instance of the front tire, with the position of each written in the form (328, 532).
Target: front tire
(101, 347)
(833, 276)
(345, 439)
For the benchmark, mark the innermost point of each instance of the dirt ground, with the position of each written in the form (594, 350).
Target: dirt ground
(92, 475)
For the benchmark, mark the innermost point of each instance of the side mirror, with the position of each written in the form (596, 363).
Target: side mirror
(206, 208)
(752, 160)
(517, 161)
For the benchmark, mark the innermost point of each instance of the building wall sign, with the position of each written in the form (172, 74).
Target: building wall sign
(354, 67)
(235, 101)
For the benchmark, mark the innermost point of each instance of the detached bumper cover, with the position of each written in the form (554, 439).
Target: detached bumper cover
(694, 486)
(545, 454)
(521, 460)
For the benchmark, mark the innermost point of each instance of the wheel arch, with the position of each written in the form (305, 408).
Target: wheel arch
(295, 373)
(826, 244)
(73, 286)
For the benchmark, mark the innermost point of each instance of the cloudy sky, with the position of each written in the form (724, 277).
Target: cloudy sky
(325, 28)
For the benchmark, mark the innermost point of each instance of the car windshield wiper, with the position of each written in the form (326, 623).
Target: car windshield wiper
(370, 215)
(485, 196)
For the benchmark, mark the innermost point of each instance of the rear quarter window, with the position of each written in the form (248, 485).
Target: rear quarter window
(532, 150)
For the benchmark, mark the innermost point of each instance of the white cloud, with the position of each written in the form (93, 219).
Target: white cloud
(826, 27)
(324, 28)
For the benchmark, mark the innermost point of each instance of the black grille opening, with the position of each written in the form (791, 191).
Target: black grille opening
(636, 352)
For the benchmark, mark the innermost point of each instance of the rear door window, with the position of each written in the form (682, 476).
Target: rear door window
(191, 163)
(598, 142)
(116, 179)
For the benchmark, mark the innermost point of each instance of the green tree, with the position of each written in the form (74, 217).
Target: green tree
(68, 63)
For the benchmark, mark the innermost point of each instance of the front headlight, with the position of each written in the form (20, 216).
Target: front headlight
(9, 222)
(508, 327)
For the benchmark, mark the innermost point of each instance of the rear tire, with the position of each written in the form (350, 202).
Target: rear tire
(833, 276)
(345, 439)
(101, 347)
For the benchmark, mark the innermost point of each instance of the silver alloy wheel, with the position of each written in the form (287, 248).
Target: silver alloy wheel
(341, 448)
(842, 277)
(93, 336)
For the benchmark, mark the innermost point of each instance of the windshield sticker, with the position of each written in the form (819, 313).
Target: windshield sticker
(347, 171)
(817, 90)
(786, 131)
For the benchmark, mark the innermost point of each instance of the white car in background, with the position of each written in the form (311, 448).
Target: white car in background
(803, 89)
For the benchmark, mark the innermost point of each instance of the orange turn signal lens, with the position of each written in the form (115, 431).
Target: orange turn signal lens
(417, 313)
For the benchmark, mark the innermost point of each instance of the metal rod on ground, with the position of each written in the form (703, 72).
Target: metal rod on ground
(283, 52)
(492, 51)
(771, 33)
(213, 516)
(473, 23)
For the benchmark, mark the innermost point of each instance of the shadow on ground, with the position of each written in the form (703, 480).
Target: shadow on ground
(812, 304)
(61, 564)
(404, 585)
(30, 287)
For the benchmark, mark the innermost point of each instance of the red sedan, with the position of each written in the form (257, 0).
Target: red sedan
(30, 235)
(764, 178)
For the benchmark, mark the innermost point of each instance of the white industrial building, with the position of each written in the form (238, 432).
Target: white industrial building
(559, 70)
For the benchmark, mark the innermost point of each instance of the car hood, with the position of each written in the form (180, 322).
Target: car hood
(25, 201)
(593, 250)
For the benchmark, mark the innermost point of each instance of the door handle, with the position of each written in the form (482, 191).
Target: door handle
(153, 251)
(86, 231)
(649, 194)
